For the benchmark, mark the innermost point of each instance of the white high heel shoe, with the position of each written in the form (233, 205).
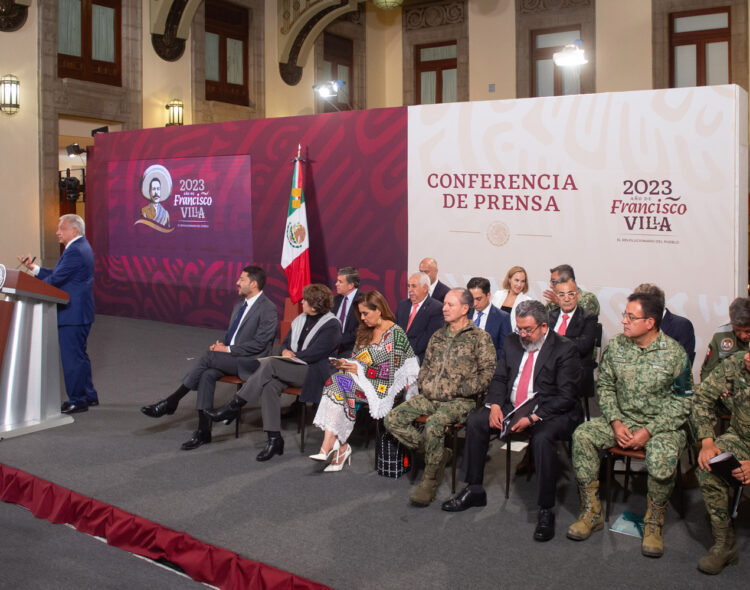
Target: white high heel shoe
(336, 466)
(321, 456)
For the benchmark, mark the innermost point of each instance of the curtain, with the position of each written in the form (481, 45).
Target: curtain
(102, 33)
(69, 27)
(235, 61)
(428, 88)
(212, 57)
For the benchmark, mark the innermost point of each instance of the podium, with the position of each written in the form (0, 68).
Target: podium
(31, 387)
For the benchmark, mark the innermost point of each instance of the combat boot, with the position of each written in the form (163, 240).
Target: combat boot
(424, 493)
(590, 517)
(723, 551)
(653, 543)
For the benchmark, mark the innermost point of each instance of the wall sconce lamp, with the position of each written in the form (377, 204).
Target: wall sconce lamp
(10, 94)
(175, 108)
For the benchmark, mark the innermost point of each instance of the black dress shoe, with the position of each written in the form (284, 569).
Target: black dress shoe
(74, 408)
(464, 500)
(274, 446)
(93, 402)
(158, 409)
(545, 526)
(64, 406)
(227, 412)
(200, 437)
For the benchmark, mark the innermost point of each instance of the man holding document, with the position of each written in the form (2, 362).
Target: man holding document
(535, 386)
(729, 379)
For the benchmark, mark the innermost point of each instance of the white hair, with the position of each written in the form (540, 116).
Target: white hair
(424, 278)
(75, 221)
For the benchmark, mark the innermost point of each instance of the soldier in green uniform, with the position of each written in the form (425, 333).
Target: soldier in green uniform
(562, 274)
(458, 366)
(729, 338)
(644, 389)
(731, 376)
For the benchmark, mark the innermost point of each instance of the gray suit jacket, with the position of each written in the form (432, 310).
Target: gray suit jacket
(255, 334)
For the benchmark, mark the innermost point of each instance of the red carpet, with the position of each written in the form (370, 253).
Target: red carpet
(201, 561)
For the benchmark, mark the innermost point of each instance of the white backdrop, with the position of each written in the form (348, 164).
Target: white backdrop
(626, 187)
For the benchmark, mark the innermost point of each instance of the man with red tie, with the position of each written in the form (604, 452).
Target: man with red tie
(539, 363)
(578, 325)
(420, 315)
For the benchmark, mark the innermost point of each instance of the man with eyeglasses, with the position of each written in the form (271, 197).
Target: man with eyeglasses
(536, 363)
(645, 390)
(577, 324)
(588, 301)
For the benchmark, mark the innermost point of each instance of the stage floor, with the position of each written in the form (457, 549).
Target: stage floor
(348, 530)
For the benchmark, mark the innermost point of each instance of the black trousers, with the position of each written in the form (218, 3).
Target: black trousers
(544, 438)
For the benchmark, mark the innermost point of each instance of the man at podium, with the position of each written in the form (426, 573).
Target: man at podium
(74, 274)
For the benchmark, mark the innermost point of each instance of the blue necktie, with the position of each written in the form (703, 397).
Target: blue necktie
(479, 319)
(235, 324)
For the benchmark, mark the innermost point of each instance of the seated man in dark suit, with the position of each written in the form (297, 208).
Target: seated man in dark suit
(675, 326)
(314, 337)
(347, 287)
(251, 333)
(537, 361)
(438, 289)
(492, 320)
(579, 326)
(420, 315)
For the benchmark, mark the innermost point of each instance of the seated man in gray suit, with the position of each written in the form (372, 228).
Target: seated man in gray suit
(250, 336)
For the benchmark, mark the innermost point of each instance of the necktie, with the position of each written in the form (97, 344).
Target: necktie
(523, 383)
(479, 319)
(342, 315)
(235, 324)
(563, 325)
(411, 315)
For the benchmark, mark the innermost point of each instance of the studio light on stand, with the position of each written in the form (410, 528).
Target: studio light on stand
(74, 150)
(571, 55)
(10, 94)
(329, 90)
(175, 108)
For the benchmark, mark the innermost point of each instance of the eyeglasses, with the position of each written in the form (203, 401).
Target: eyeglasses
(568, 295)
(630, 318)
(525, 331)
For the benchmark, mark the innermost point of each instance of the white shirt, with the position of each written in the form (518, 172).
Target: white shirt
(560, 319)
(348, 298)
(419, 306)
(432, 288)
(249, 301)
(483, 321)
(520, 370)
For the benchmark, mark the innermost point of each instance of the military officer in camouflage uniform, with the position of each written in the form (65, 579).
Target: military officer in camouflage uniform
(458, 366)
(644, 386)
(730, 338)
(562, 274)
(732, 375)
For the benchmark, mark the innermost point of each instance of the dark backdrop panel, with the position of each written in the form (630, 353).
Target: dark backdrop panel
(355, 189)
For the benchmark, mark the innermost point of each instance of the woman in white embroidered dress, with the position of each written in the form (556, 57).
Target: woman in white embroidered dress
(383, 364)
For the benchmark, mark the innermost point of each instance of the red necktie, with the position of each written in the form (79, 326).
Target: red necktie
(522, 392)
(563, 325)
(411, 315)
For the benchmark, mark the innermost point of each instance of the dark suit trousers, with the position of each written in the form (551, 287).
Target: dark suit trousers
(76, 364)
(211, 367)
(544, 438)
(266, 385)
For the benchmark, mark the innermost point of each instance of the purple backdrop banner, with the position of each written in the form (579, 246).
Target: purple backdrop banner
(183, 269)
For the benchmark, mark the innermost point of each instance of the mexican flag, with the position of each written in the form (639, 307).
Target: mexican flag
(295, 256)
